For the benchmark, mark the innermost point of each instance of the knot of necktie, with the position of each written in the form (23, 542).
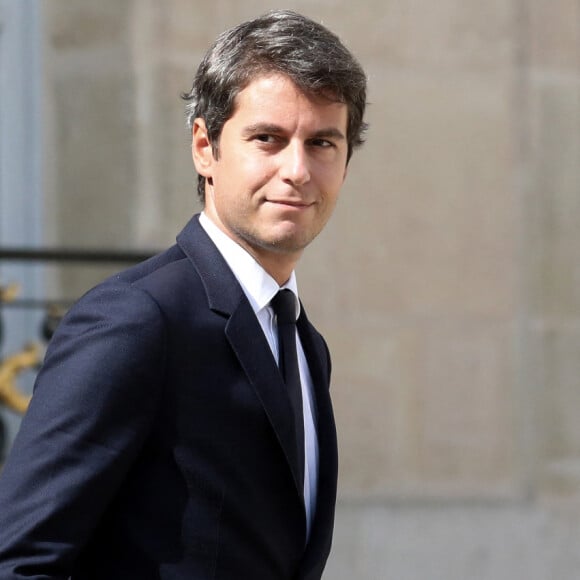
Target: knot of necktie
(284, 305)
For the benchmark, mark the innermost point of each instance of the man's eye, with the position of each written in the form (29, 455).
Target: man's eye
(322, 143)
(265, 138)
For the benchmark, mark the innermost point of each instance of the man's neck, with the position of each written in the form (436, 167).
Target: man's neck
(279, 265)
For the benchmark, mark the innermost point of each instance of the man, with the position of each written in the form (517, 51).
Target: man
(163, 440)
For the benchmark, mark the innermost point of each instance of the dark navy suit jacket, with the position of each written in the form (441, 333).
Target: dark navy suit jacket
(158, 445)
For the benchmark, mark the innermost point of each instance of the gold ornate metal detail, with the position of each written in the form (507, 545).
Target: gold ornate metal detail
(28, 358)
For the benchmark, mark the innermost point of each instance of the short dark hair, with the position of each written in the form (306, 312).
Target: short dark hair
(280, 41)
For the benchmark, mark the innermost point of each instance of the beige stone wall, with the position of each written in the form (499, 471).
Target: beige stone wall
(448, 283)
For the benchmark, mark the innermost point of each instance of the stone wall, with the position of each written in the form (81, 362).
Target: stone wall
(447, 283)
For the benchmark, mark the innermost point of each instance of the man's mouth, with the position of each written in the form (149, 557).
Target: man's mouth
(290, 203)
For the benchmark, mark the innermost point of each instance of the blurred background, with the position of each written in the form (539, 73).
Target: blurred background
(447, 283)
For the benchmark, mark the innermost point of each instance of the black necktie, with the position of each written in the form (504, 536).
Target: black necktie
(284, 306)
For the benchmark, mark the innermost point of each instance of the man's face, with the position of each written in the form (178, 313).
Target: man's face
(282, 161)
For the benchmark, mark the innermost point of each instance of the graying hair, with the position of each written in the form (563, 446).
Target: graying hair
(281, 41)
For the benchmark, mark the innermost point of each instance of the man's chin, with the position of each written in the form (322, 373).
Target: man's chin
(284, 244)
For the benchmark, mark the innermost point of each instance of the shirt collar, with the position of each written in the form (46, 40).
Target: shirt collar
(258, 286)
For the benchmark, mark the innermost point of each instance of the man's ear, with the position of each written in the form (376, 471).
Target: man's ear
(201, 149)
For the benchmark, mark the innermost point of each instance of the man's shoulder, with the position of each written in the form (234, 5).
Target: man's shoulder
(169, 279)
(168, 263)
(148, 286)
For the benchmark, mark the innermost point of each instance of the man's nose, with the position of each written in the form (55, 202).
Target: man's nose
(294, 166)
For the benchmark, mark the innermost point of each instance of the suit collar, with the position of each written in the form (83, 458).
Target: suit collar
(223, 291)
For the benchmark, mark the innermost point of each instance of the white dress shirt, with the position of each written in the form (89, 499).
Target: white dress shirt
(259, 287)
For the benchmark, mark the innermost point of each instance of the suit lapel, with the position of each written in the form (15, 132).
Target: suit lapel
(321, 534)
(245, 335)
(319, 365)
(261, 369)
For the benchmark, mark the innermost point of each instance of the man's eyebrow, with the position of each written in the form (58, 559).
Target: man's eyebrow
(331, 132)
(258, 128)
